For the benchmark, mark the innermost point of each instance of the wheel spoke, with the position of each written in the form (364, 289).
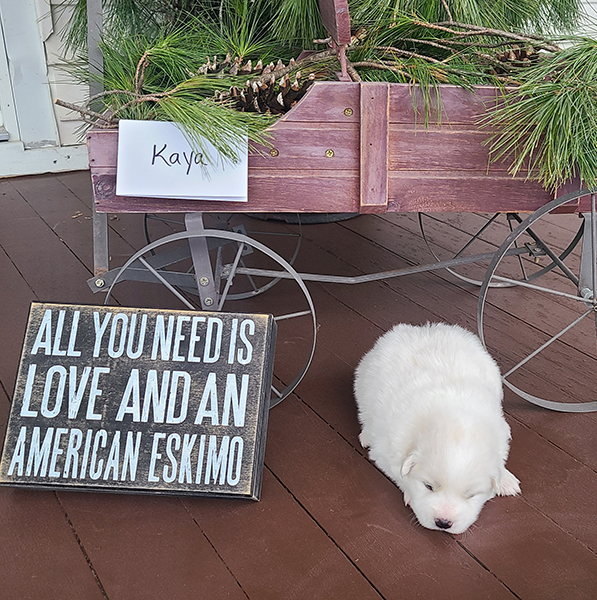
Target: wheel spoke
(230, 278)
(546, 344)
(302, 313)
(477, 235)
(521, 265)
(537, 288)
(554, 257)
(168, 285)
(249, 277)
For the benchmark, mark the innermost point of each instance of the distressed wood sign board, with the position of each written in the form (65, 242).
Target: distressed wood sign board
(141, 400)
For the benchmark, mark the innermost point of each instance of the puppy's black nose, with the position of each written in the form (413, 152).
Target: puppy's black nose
(443, 523)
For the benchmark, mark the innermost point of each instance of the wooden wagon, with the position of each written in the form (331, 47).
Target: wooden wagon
(352, 147)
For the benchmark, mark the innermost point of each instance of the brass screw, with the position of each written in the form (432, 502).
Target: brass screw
(274, 152)
(348, 112)
(100, 283)
(329, 153)
(204, 281)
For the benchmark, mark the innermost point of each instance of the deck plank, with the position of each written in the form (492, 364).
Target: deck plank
(329, 525)
(50, 269)
(39, 554)
(276, 549)
(147, 547)
(16, 296)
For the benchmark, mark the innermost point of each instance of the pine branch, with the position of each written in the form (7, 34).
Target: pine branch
(482, 55)
(140, 71)
(379, 65)
(399, 52)
(428, 43)
(447, 9)
(474, 30)
(110, 93)
(103, 121)
(350, 68)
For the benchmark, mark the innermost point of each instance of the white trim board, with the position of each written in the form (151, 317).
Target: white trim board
(15, 160)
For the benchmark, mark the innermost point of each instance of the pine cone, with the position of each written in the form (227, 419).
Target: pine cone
(268, 96)
(517, 57)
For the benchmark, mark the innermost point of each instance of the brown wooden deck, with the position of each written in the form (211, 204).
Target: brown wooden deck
(329, 524)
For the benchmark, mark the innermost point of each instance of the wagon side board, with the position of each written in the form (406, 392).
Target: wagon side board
(358, 147)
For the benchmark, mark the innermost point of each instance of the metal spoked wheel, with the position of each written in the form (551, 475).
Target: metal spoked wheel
(288, 242)
(223, 251)
(544, 334)
(456, 235)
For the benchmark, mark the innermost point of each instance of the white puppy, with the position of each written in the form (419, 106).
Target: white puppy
(429, 401)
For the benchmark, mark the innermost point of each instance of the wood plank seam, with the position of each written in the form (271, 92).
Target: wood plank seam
(81, 546)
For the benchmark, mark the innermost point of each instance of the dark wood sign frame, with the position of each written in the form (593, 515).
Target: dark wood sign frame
(141, 400)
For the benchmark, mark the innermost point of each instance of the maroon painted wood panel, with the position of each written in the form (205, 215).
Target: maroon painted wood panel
(368, 147)
(374, 146)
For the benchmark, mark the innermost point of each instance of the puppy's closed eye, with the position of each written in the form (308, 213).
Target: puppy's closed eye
(476, 491)
(429, 487)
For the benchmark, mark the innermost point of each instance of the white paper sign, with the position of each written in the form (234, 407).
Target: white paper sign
(156, 161)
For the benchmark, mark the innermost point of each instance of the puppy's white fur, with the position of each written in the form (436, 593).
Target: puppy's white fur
(430, 407)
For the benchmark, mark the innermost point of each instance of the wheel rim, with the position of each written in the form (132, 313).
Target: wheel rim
(277, 396)
(574, 317)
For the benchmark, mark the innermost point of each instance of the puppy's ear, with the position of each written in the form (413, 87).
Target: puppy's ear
(409, 462)
(506, 484)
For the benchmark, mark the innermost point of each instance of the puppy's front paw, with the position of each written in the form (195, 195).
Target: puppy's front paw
(507, 485)
(407, 498)
(363, 439)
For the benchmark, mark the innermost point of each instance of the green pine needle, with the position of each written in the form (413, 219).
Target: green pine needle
(547, 127)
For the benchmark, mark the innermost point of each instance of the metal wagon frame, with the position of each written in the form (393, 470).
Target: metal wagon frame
(351, 147)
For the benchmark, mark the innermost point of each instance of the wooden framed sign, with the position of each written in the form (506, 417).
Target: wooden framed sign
(141, 400)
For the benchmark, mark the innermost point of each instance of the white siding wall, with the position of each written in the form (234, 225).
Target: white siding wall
(60, 86)
(41, 135)
(590, 28)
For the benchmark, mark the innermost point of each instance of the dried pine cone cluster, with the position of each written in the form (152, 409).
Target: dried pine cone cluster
(517, 57)
(269, 95)
(271, 89)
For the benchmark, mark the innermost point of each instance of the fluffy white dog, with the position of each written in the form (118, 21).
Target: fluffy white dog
(429, 401)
